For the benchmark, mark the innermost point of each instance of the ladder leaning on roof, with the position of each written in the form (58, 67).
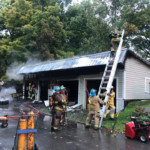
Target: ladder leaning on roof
(108, 76)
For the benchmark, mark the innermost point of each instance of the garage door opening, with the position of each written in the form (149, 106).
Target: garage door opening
(72, 88)
(94, 84)
(44, 90)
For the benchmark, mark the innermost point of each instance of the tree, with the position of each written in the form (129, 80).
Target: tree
(136, 23)
(86, 30)
(48, 35)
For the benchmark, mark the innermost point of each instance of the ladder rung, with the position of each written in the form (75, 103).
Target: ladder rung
(103, 88)
(110, 65)
(106, 77)
(108, 71)
(104, 85)
(105, 82)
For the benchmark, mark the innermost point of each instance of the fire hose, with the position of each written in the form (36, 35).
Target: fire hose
(23, 115)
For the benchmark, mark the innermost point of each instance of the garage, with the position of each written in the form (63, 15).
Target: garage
(72, 89)
(94, 84)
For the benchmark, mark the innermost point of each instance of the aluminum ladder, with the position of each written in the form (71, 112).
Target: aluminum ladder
(108, 76)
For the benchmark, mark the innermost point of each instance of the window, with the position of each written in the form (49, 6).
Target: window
(147, 85)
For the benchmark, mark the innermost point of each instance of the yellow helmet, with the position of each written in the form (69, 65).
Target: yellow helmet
(29, 83)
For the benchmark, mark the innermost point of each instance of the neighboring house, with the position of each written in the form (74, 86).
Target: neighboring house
(80, 74)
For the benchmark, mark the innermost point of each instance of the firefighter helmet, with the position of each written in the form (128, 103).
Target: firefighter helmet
(92, 92)
(57, 89)
(62, 88)
(29, 84)
(33, 85)
(112, 87)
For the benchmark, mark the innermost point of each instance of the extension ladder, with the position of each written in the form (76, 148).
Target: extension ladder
(108, 76)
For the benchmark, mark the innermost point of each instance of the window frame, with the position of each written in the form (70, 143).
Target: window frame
(146, 90)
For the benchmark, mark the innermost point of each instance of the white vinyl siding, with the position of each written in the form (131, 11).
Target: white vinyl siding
(136, 71)
(119, 88)
(147, 85)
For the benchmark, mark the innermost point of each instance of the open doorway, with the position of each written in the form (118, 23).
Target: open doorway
(44, 90)
(94, 84)
(72, 88)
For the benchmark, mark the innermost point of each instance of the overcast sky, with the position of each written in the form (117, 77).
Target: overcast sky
(77, 1)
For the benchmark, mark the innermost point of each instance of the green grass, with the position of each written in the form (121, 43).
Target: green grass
(124, 117)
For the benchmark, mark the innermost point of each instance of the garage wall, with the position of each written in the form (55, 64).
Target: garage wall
(136, 75)
(119, 88)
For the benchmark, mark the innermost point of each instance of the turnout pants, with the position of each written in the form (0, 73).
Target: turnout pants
(56, 119)
(112, 110)
(96, 115)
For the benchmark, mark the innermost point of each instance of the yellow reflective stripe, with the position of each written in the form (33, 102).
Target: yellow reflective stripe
(115, 39)
(96, 125)
(64, 106)
(63, 100)
(58, 108)
(111, 103)
(55, 128)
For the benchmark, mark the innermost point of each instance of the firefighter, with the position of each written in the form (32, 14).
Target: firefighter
(29, 92)
(64, 99)
(33, 92)
(57, 108)
(94, 102)
(110, 103)
(115, 40)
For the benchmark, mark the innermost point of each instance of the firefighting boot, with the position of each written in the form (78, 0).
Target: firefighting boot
(96, 127)
(105, 115)
(112, 116)
(54, 129)
(87, 125)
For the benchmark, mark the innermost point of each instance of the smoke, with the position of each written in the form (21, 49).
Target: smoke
(32, 61)
(6, 93)
(12, 70)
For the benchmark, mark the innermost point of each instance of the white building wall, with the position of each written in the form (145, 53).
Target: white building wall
(135, 74)
(119, 88)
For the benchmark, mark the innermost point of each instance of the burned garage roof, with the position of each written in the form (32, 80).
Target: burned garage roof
(75, 62)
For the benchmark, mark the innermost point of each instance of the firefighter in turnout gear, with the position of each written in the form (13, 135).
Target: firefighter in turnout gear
(115, 39)
(64, 99)
(110, 104)
(29, 91)
(94, 108)
(58, 103)
(33, 92)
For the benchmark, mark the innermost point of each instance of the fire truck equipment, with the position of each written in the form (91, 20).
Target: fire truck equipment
(4, 121)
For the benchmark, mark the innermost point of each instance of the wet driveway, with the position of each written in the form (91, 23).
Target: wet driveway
(73, 137)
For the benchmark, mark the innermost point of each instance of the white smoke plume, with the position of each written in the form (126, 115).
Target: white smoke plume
(6, 93)
(12, 70)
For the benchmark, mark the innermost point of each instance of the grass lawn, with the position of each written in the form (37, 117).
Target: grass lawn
(124, 117)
